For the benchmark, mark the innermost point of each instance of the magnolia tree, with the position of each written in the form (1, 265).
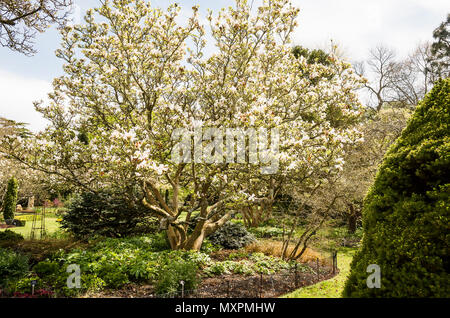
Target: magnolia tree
(315, 138)
(142, 104)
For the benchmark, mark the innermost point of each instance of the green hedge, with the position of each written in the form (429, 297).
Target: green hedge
(406, 212)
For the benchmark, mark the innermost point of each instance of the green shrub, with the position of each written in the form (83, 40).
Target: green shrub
(10, 199)
(8, 236)
(19, 223)
(114, 278)
(13, 266)
(23, 285)
(232, 236)
(46, 268)
(406, 211)
(208, 247)
(170, 276)
(243, 268)
(266, 232)
(105, 213)
(160, 242)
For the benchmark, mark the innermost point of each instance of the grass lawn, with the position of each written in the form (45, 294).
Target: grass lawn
(333, 287)
(50, 225)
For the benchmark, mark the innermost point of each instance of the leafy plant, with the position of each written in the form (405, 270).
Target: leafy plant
(266, 232)
(170, 276)
(13, 266)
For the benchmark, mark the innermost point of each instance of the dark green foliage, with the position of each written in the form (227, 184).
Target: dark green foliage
(231, 236)
(13, 266)
(160, 242)
(10, 200)
(46, 268)
(406, 212)
(106, 214)
(9, 238)
(170, 276)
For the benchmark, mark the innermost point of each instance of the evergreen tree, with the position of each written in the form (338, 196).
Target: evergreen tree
(10, 200)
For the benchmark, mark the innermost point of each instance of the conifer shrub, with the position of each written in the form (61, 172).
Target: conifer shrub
(406, 211)
(10, 200)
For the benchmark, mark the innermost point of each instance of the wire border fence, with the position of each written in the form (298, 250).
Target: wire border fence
(257, 285)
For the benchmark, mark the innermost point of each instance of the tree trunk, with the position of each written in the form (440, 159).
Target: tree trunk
(352, 218)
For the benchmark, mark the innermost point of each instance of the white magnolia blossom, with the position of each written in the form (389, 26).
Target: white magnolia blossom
(134, 76)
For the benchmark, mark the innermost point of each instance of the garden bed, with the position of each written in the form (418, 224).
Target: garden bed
(230, 286)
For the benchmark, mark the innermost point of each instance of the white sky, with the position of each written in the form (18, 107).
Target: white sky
(355, 25)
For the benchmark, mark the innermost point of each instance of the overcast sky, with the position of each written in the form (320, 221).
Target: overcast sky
(355, 25)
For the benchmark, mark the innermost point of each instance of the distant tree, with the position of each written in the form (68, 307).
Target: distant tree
(380, 130)
(381, 63)
(10, 201)
(312, 56)
(440, 49)
(413, 77)
(21, 19)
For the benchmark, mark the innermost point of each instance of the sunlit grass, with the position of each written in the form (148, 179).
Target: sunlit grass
(51, 226)
(333, 287)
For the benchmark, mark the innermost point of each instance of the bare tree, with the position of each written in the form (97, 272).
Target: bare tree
(381, 65)
(413, 78)
(20, 20)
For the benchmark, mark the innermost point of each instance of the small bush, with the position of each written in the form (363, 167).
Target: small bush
(160, 242)
(105, 213)
(18, 223)
(256, 263)
(46, 268)
(24, 284)
(208, 247)
(232, 236)
(170, 276)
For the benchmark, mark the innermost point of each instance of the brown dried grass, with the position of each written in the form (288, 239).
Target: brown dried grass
(274, 248)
